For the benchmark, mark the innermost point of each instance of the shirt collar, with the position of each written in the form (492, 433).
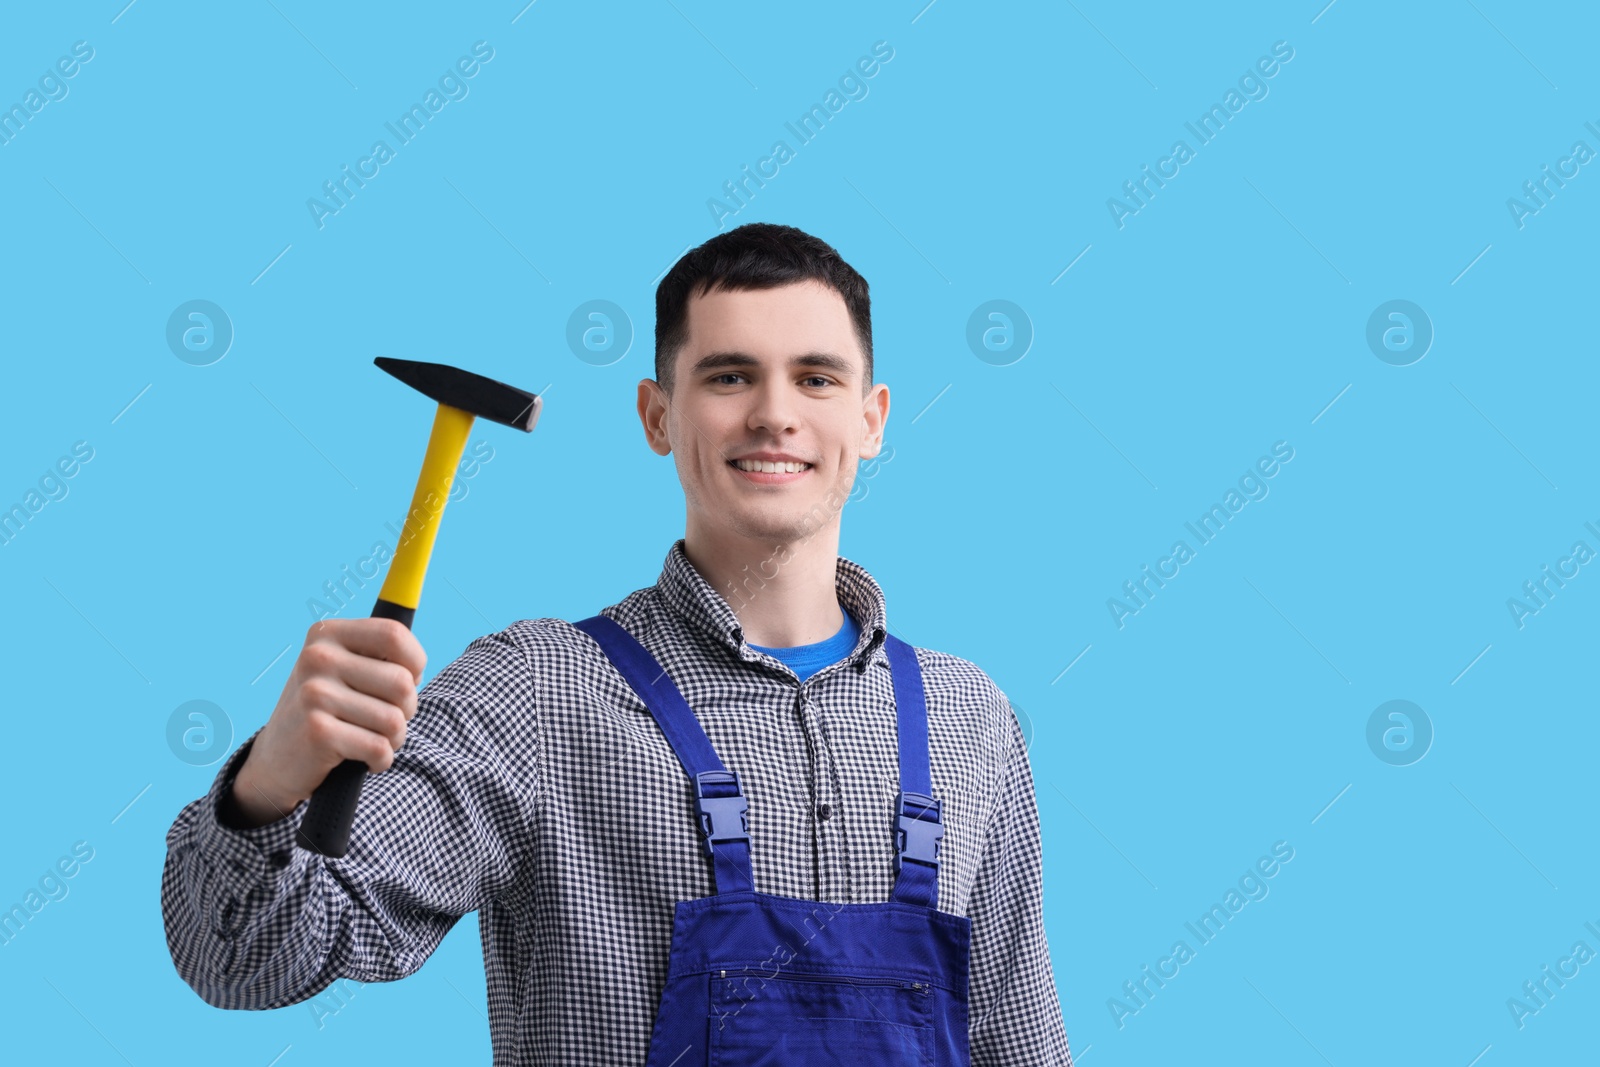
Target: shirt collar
(687, 592)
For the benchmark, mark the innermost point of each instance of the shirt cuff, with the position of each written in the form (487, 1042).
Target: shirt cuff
(250, 854)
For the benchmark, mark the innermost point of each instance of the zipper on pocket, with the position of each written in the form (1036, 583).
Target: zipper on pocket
(923, 988)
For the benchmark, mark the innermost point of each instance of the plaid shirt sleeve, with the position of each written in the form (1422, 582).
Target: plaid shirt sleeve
(252, 921)
(1016, 1015)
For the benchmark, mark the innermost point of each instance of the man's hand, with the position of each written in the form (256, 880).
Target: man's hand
(350, 695)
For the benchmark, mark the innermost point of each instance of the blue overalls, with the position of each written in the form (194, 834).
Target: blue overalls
(756, 980)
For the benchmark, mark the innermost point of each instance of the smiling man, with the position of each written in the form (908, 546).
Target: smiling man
(773, 413)
(732, 818)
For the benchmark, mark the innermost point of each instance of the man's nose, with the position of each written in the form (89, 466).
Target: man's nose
(775, 409)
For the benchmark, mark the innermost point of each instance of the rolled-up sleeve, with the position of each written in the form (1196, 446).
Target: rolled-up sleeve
(252, 921)
(1015, 1012)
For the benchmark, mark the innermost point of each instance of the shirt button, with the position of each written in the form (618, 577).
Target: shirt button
(823, 812)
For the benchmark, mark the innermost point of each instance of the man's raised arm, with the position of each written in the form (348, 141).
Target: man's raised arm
(252, 921)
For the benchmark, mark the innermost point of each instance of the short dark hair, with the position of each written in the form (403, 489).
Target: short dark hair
(757, 255)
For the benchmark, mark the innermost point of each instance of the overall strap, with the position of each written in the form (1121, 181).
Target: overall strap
(918, 826)
(719, 795)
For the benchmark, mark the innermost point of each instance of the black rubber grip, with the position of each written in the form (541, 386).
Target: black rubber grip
(325, 829)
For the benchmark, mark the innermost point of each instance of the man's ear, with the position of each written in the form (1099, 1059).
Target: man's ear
(874, 414)
(653, 407)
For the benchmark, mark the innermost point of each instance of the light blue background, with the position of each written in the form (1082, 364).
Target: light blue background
(1228, 314)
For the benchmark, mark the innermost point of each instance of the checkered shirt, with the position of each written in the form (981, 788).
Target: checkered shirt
(535, 788)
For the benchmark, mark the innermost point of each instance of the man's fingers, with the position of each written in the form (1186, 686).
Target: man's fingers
(383, 639)
(349, 741)
(327, 699)
(388, 682)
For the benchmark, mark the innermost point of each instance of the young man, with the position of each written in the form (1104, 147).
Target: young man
(561, 789)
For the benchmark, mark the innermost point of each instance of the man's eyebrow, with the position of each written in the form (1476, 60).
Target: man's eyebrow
(717, 360)
(827, 360)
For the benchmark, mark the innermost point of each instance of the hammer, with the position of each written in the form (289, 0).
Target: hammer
(462, 396)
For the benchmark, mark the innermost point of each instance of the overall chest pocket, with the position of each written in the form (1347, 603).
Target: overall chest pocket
(802, 1020)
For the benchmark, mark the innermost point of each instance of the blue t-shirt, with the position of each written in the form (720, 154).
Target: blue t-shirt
(806, 660)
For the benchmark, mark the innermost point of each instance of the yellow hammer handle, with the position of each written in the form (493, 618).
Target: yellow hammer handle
(403, 586)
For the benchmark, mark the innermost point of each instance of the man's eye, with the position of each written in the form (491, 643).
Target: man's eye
(719, 379)
(818, 378)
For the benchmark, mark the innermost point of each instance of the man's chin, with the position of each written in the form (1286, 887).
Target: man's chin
(785, 526)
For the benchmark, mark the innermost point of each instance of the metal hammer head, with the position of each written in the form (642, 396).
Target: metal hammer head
(472, 393)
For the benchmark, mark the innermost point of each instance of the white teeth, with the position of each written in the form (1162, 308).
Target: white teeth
(769, 467)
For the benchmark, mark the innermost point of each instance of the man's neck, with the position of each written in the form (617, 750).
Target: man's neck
(783, 594)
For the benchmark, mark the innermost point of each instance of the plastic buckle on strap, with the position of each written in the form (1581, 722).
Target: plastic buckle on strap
(918, 828)
(722, 818)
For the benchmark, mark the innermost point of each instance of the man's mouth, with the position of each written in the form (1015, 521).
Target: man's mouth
(768, 467)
